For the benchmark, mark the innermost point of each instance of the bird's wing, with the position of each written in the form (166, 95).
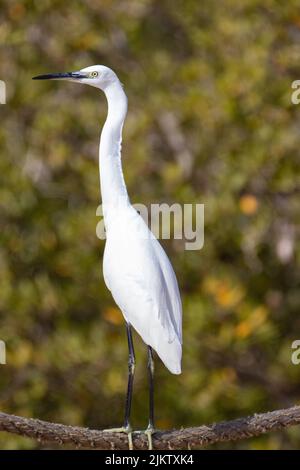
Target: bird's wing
(143, 284)
(171, 290)
(144, 291)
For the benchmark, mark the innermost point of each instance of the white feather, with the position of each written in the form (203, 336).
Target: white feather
(143, 284)
(136, 269)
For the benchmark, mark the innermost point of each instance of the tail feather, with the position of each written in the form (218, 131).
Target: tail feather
(169, 353)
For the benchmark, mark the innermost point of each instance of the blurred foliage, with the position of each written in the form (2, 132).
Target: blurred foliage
(210, 121)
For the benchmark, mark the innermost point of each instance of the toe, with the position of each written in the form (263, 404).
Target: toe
(149, 431)
(130, 443)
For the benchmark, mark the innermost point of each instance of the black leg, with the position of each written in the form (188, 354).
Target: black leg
(131, 363)
(131, 366)
(151, 387)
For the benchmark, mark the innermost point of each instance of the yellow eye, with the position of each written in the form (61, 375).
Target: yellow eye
(94, 74)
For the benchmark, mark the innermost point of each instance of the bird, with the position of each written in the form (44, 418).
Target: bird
(136, 269)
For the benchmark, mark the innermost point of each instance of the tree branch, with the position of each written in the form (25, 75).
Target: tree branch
(187, 438)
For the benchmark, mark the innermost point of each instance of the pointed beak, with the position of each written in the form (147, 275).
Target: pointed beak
(61, 76)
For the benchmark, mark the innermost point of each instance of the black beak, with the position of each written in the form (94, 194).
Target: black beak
(58, 76)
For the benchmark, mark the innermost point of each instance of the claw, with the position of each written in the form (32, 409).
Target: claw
(124, 429)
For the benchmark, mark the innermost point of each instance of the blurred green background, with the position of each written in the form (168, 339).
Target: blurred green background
(210, 121)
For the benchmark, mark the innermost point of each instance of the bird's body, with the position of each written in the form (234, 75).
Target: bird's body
(141, 279)
(136, 269)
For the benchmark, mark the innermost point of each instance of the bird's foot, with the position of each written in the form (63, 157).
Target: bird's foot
(149, 432)
(124, 429)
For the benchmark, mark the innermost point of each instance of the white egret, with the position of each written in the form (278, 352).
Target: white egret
(136, 269)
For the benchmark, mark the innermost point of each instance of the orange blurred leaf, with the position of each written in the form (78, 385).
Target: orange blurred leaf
(248, 204)
(113, 315)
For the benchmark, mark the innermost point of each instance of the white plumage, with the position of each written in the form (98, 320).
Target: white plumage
(136, 269)
(141, 279)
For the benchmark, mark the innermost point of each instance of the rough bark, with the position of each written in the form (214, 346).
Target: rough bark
(187, 438)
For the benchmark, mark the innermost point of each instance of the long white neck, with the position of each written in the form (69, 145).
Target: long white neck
(113, 188)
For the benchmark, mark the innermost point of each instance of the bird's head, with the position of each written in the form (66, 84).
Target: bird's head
(98, 76)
